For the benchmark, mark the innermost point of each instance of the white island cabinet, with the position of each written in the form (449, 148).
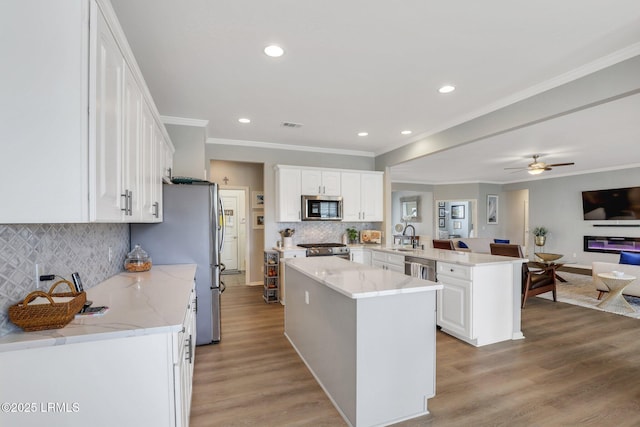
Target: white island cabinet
(366, 334)
(480, 299)
(476, 302)
(133, 366)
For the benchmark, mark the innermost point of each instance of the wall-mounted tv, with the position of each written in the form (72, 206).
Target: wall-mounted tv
(615, 204)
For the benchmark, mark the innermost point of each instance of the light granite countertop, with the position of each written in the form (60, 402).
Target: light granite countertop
(357, 280)
(453, 257)
(139, 304)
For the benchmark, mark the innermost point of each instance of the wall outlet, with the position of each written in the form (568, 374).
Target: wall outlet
(306, 297)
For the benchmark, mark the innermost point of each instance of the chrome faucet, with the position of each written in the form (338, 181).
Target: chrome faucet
(404, 232)
(414, 242)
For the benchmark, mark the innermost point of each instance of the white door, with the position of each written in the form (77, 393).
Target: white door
(230, 250)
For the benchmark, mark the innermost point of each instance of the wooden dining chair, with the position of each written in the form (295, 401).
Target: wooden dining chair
(534, 282)
(443, 244)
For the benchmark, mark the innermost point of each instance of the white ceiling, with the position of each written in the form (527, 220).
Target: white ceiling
(375, 66)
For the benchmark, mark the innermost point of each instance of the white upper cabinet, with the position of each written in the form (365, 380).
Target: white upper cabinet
(288, 194)
(351, 196)
(111, 110)
(362, 196)
(320, 182)
(72, 104)
(361, 191)
(371, 196)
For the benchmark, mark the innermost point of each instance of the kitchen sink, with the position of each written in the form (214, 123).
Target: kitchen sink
(403, 250)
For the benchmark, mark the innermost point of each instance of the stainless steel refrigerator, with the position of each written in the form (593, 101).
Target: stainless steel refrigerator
(191, 233)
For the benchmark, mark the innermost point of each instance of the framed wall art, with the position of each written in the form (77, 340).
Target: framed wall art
(492, 209)
(257, 199)
(258, 220)
(457, 211)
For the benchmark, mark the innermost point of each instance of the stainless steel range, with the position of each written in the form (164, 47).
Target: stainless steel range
(326, 249)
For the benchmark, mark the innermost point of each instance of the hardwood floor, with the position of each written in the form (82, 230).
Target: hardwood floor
(576, 367)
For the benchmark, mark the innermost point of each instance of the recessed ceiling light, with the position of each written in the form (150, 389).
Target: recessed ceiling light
(406, 132)
(447, 89)
(363, 133)
(244, 120)
(274, 51)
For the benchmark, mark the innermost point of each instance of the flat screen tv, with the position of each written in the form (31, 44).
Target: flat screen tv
(615, 204)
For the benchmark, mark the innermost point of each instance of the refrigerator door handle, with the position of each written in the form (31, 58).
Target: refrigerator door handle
(221, 226)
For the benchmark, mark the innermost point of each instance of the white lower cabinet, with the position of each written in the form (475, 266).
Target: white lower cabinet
(476, 302)
(387, 261)
(185, 344)
(454, 301)
(141, 380)
(285, 254)
(360, 255)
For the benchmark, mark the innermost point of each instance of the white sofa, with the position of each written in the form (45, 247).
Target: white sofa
(607, 267)
(476, 244)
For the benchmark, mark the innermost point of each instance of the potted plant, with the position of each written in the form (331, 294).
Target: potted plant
(540, 234)
(352, 235)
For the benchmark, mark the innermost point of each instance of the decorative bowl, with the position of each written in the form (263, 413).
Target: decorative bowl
(548, 257)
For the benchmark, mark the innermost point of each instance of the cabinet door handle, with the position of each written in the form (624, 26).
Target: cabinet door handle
(130, 208)
(319, 189)
(324, 190)
(156, 209)
(189, 345)
(125, 202)
(128, 204)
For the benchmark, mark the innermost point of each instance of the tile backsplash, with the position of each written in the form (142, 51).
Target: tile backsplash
(320, 231)
(59, 249)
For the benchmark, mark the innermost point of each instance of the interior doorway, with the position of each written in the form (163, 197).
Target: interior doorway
(233, 253)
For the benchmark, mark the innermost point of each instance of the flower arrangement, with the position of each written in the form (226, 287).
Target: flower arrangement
(540, 231)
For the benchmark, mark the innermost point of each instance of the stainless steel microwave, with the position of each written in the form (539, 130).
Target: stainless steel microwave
(321, 208)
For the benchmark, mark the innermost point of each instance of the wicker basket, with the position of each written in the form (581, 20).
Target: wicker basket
(47, 316)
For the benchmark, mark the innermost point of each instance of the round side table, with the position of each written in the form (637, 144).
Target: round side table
(616, 284)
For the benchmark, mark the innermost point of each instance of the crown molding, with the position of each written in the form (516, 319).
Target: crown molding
(275, 146)
(184, 121)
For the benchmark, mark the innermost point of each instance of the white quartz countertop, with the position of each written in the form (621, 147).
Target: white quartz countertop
(139, 304)
(453, 257)
(357, 280)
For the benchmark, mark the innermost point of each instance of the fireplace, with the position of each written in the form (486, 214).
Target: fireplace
(612, 245)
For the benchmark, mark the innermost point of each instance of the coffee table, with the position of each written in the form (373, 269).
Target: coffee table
(614, 300)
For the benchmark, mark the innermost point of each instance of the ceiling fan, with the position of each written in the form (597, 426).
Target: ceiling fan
(537, 167)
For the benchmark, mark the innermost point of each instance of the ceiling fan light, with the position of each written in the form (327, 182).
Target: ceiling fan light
(535, 171)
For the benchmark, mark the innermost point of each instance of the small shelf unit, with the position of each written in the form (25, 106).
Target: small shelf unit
(271, 276)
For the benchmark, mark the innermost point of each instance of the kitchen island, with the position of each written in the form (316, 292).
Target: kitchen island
(366, 334)
(480, 299)
(131, 366)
